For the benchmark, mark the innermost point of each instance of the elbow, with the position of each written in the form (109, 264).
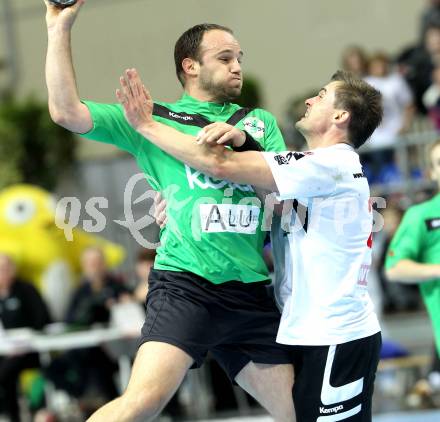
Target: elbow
(74, 119)
(58, 117)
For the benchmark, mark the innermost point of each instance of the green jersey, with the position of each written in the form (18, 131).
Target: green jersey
(418, 239)
(214, 226)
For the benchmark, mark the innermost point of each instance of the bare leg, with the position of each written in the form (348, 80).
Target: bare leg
(157, 372)
(271, 386)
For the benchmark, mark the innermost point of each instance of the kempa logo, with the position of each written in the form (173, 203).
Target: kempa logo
(335, 409)
(254, 126)
(178, 116)
(201, 180)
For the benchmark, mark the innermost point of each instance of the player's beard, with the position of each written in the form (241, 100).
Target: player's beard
(219, 91)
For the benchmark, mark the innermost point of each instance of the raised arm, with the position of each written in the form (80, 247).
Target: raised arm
(241, 167)
(65, 106)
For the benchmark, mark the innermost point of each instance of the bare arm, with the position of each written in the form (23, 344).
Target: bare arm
(65, 106)
(244, 167)
(408, 271)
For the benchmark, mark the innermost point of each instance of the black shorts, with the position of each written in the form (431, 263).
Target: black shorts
(237, 322)
(335, 381)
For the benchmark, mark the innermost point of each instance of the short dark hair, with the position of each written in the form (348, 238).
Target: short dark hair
(362, 101)
(188, 45)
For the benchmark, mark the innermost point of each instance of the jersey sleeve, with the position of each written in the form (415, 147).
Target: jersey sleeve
(273, 139)
(301, 174)
(111, 127)
(407, 241)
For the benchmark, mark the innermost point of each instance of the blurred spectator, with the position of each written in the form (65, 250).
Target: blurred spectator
(20, 306)
(78, 371)
(414, 252)
(98, 290)
(432, 43)
(144, 263)
(395, 296)
(354, 59)
(430, 17)
(398, 112)
(431, 99)
(416, 64)
(425, 390)
(397, 99)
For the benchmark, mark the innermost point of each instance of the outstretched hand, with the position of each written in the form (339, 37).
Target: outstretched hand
(220, 133)
(135, 98)
(56, 16)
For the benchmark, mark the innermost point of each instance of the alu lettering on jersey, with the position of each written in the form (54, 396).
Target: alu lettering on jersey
(335, 409)
(197, 179)
(178, 116)
(214, 217)
(232, 218)
(243, 221)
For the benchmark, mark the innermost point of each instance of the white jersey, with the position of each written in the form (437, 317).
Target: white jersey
(323, 254)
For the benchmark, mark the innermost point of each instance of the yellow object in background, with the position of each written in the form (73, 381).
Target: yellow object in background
(39, 248)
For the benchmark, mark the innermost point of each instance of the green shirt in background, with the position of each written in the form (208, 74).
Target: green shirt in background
(214, 226)
(418, 239)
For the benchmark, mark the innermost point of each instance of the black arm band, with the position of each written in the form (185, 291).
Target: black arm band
(250, 144)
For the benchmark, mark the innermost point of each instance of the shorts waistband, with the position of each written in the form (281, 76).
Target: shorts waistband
(170, 276)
